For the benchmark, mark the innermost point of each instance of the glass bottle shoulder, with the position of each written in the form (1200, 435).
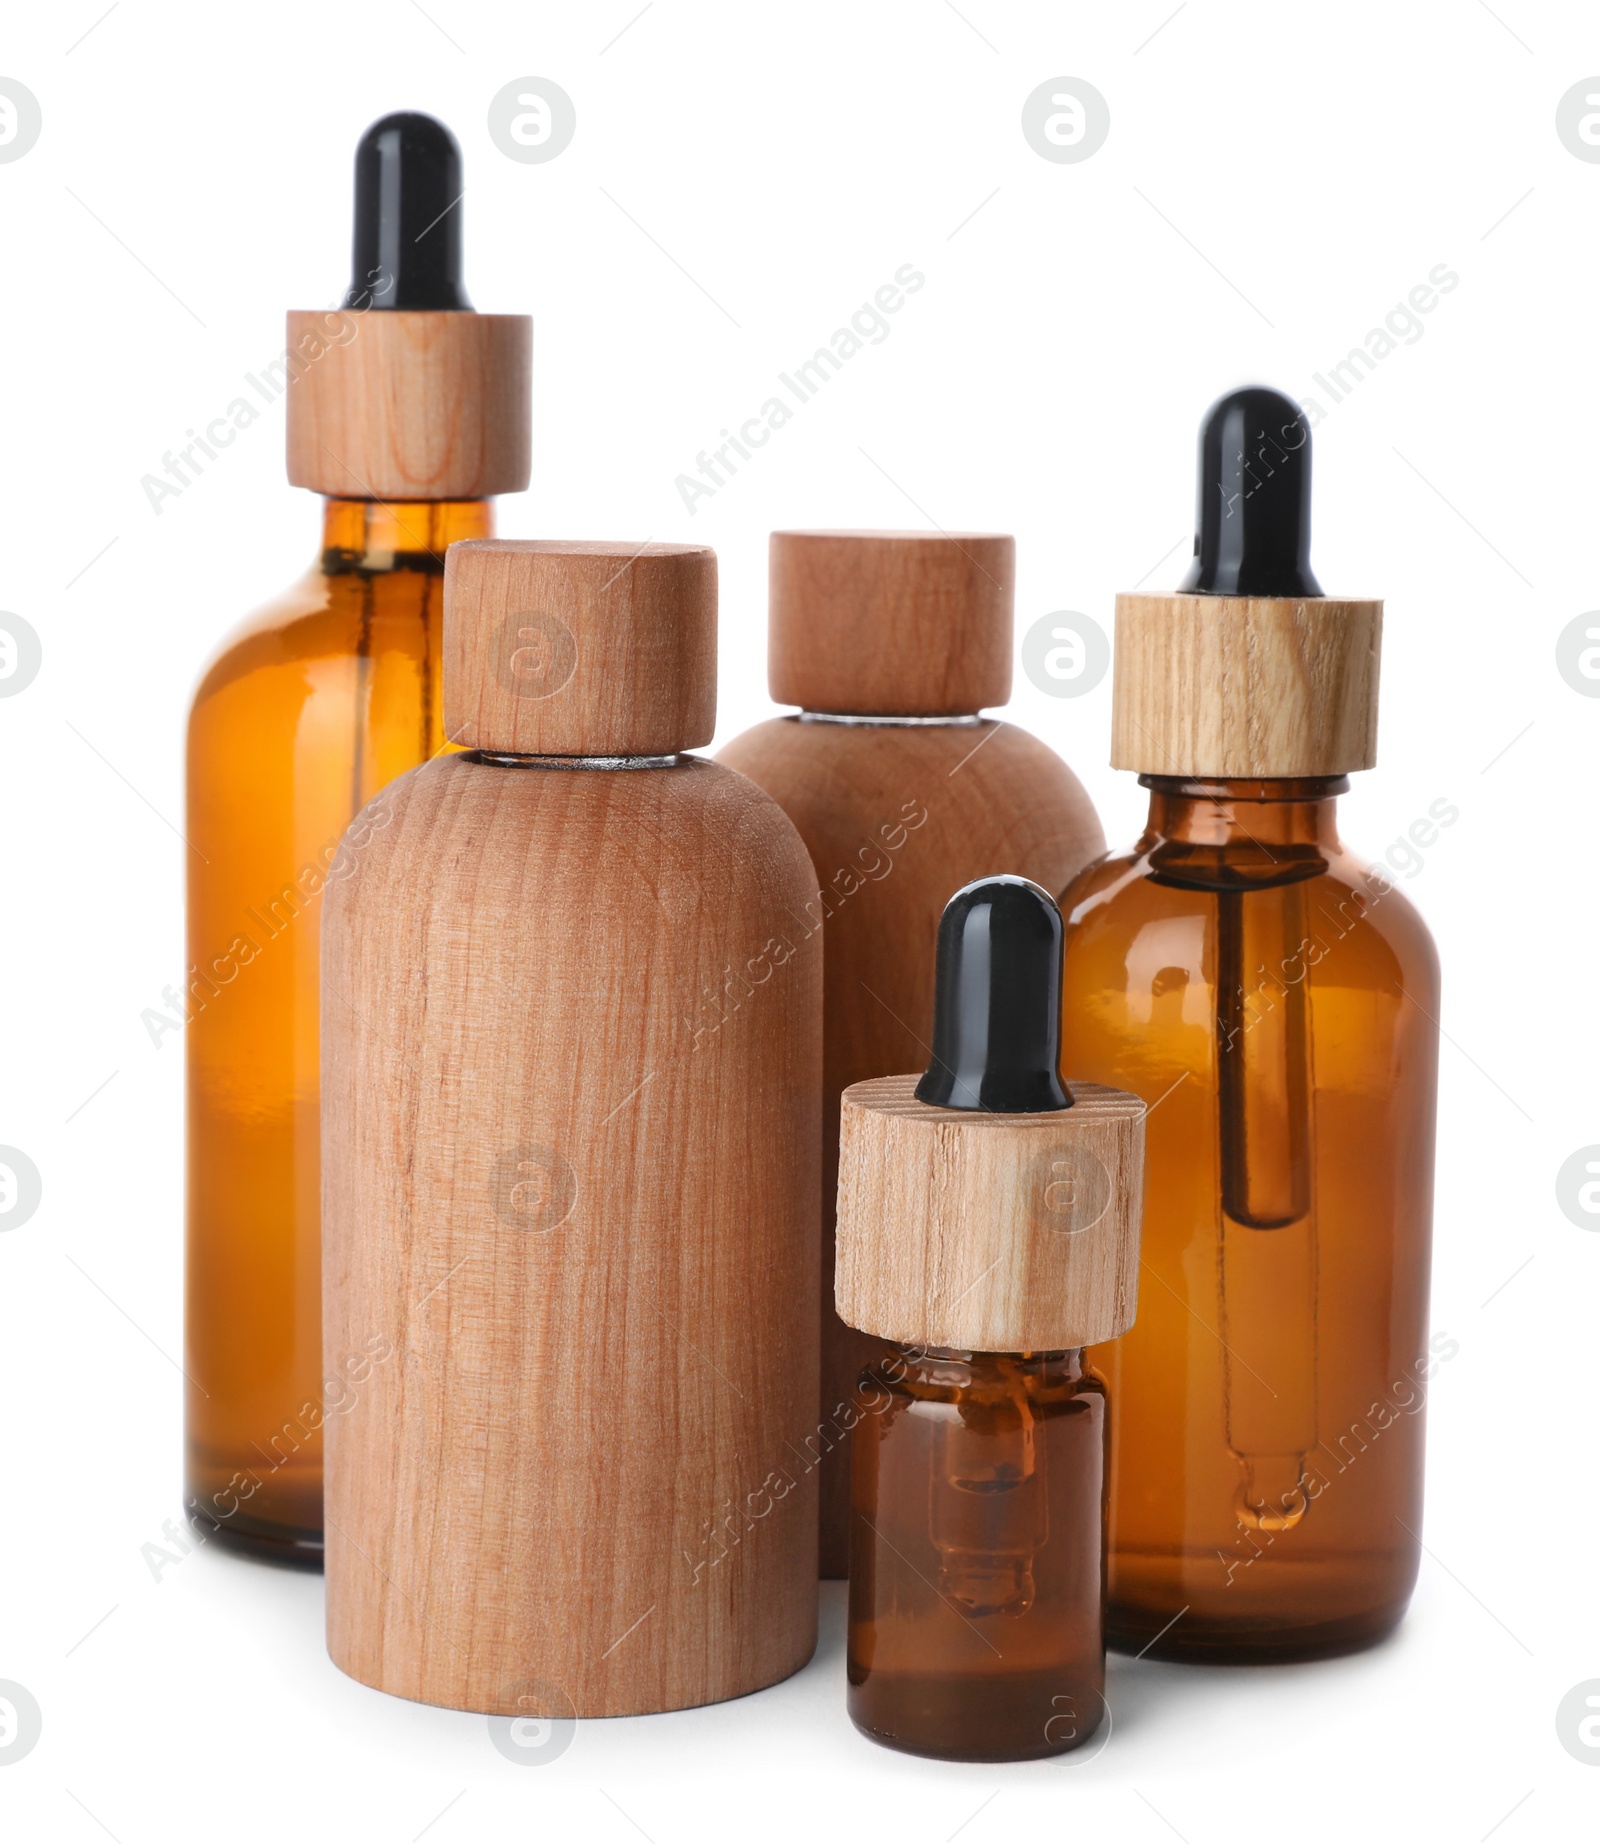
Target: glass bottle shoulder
(374, 593)
(1135, 896)
(321, 616)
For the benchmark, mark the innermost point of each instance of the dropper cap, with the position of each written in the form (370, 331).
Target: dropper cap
(406, 251)
(1248, 671)
(405, 393)
(988, 1206)
(997, 1001)
(1253, 521)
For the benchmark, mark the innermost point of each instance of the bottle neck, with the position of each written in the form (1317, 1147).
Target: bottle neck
(937, 1364)
(499, 758)
(964, 720)
(1235, 835)
(372, 536)
(1259, 814)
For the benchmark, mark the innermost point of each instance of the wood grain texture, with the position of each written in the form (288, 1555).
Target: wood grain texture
(989, 1232)
(890, 623)
(553, 648)
(570, 1197)
(1246, 686)
(397, 404)
(896, 819)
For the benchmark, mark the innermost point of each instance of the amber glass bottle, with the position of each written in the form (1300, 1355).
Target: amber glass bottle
(420, 405)
(1274, 1000)
(321, 700)
(978, 1566)
(1268, 1460)
(990, 1212)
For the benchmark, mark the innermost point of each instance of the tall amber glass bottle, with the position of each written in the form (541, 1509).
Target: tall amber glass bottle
(406, 410)
(1275, 1001)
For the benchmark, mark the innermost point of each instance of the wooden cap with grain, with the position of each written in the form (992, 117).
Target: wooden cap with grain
(888, 623)
(988, 1231)
(389, 404)
(1251, 687)
(560, 649)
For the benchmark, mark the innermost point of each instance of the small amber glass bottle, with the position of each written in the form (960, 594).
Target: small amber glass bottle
(406, 410)
(1275, 1002)
(978, 1579)
(988, 1224)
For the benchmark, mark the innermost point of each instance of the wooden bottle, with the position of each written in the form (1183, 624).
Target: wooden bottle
(569, 1229)
(892, 643)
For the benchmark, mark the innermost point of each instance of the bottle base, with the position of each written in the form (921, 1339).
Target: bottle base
(927, 1751)
(281, 1544)
(954, 1716)
(1188, 1640)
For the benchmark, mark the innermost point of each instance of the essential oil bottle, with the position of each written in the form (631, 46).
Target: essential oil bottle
(893, 645)
(989, 1229)
(406, 412)
(582, 1228)
(1275, 1001)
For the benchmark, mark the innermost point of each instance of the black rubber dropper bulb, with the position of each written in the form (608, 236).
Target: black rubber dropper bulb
(1253, 523)
(997, 1002)
(407, 245)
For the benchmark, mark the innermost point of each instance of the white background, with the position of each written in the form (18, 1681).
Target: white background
(743, 176)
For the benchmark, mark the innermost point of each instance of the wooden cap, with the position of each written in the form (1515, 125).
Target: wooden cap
(396, 404)
(989, 1232)
(1245, 686)
(890, 623)
(579, 649)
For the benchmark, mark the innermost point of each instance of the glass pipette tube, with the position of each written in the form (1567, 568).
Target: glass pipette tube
(1269, 1242)
(988, 1511)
